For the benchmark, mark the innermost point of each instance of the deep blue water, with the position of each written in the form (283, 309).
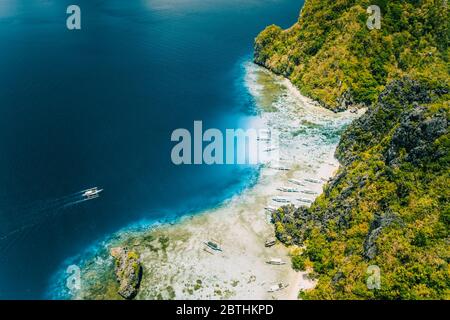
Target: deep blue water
(96, 107)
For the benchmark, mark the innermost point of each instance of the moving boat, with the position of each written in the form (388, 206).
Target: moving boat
(92, 193)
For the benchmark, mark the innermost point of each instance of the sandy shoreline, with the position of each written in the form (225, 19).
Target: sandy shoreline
(175, 263)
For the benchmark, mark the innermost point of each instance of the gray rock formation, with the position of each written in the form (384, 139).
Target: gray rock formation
(128, 271)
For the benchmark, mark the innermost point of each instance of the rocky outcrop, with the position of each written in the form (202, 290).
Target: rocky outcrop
(387, 204)
(415, 136)
(411, 140)
(380, 222)
(344, 101)
(290, 223)
(128, 271)
(393, 104)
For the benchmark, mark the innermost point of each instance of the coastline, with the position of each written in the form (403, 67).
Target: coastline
(176, 266)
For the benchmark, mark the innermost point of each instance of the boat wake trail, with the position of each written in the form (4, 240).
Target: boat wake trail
(16, 223)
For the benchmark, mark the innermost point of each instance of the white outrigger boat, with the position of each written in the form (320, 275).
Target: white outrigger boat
(92, 193)
(270, 209)
(276, 261)
(270, 242)
(285, 189)
(213, 244)
(278, 287)
(281, 200)
(297, 182)
(280, 168)
(305, 200)
(308, 192)
(312, 180)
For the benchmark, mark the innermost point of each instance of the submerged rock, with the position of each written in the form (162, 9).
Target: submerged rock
(128, 271)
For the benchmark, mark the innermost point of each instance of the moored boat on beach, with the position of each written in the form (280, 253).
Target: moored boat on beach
(297, 182)
(286, 189)
(276, 261)
(213, 245)
(278, 287)
(312, 180)
(270, 209)
(280, 168)
(309, 192)
(305, 200)
(270, 242)
(281, 200)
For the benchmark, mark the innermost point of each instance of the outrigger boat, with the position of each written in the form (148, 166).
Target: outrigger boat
(276, 261)
(213, 245)
(278, 287)
(312, 180)
(305, 200)
(284, 189)
(270, 242)
(281, 200)
(270, 209)
(297, 182)
(280, 168)
(308, 192)
(92, 193)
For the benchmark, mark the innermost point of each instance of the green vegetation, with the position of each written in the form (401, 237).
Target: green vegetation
(198, 285)
(389, 204)
(298, 262)
(164, 241)
(331, 56)
(171, 293)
